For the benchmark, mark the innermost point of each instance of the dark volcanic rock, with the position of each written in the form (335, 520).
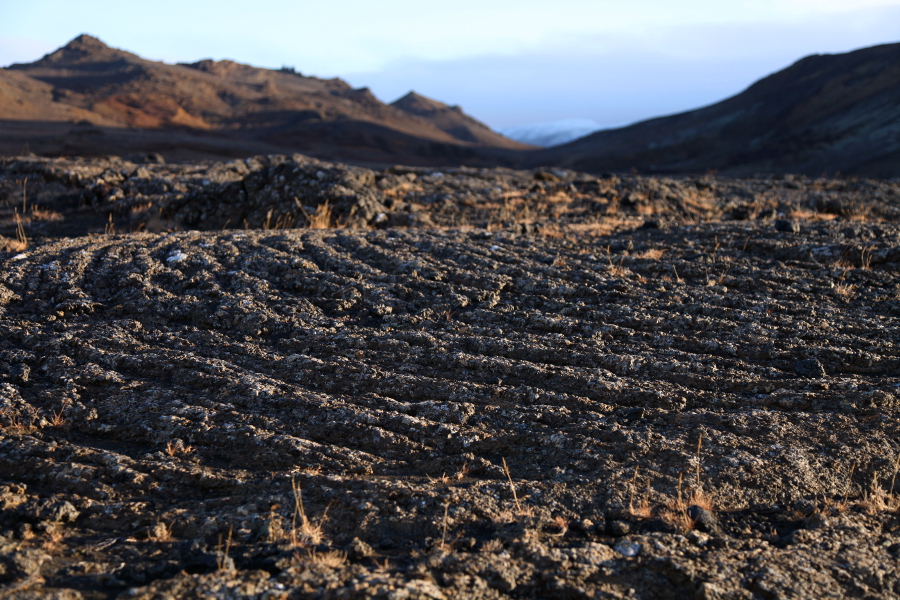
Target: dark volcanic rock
(787, 226)
(536, 396)
(18, 564)
(77, 196)
(809, 367)
(269, 412)
(703, 519)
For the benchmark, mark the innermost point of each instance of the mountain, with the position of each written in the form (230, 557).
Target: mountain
(825, 113)
(551, 133)
(119, 102)
(452, 120)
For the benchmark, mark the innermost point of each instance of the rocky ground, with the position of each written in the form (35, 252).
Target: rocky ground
(480, 384)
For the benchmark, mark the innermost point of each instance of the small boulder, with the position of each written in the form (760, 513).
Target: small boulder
(787, 226)
(618, 528)
(358, 549)
(809, 367)
(704, 520)
(627, 548)
(21, 564)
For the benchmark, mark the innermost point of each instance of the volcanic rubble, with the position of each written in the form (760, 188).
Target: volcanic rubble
(473, 384)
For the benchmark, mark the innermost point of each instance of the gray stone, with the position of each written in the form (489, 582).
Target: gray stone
(703, 519)
(809, 367)
(20, 373)
(358, 549)
(22, 563)
(619, 528)
(627, 548)
(787, 226)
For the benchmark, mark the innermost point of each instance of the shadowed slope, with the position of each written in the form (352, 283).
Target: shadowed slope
(824, 113)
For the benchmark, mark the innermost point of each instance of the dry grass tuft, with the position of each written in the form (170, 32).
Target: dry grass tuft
(562, 523)
(332, 559)
(10, 245)
(651, 254)
(857, 211)
(874, 501)
(703, 499)
(176, 448)
(445, 546)
(602, 227)
(678, 519)
(842, 289)
(878, 500)
(552, 232)
(21, 238)
(865, 258)
(843, 505)
(161, 533)
(223, 550)
(58, 420)
(643, 510)
(677, 513)
(45, 214)
(11, 422)
(521, 512)
(443, 479)
(807, 214)
(312, 471)
(285, 221)
(53, 541)
(306, 532)
(320, 219)
(617, 270)
(845, 290)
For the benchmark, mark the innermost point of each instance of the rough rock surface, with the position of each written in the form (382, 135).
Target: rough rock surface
(700, 409)
(54, 197)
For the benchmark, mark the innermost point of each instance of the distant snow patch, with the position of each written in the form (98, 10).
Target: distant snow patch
(552, 133)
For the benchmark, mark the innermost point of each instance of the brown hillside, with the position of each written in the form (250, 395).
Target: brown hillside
(454, 121)
(224, 107)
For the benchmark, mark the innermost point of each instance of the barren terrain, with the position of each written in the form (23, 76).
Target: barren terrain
(87, 99)
(466, 384)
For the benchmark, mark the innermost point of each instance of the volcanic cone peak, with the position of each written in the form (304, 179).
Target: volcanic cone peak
(84, 48)
(418, 104)
(453, 120)
(252, 109)
(86, 43)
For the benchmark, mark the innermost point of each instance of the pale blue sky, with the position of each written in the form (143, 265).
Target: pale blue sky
(507, 62)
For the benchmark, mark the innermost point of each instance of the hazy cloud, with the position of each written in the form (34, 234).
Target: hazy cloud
(621, 78)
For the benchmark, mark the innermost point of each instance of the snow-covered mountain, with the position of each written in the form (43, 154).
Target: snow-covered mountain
(552, 133)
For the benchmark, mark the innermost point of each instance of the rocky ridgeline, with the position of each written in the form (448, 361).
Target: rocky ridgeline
(282, 192)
